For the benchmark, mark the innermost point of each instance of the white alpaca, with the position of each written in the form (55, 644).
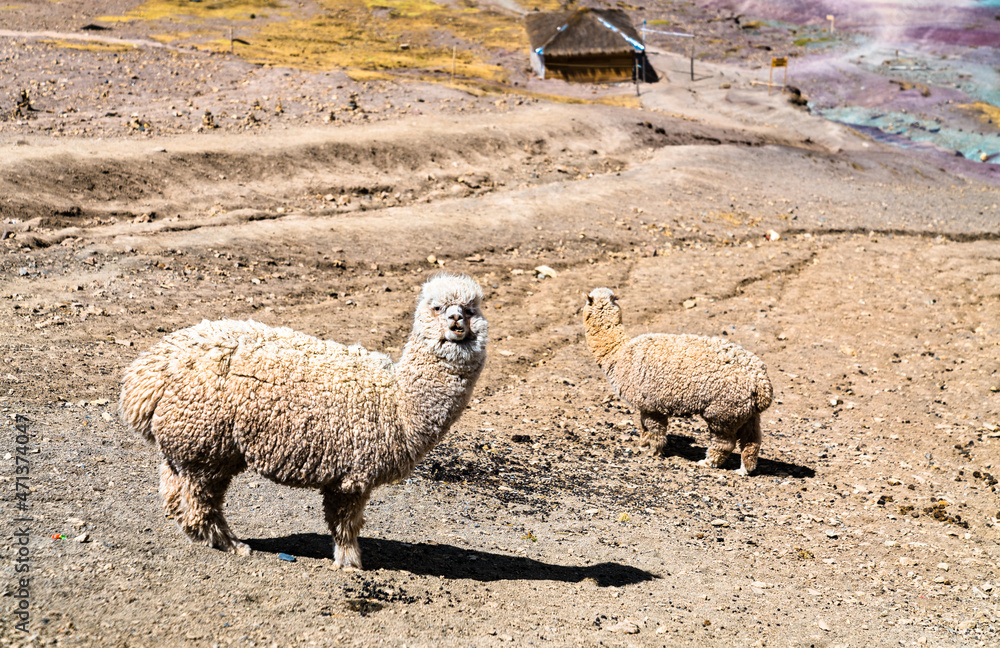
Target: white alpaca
(679, 375)
(220, 397)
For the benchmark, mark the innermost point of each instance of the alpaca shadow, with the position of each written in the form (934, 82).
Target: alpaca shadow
(684, 447)
(447, 561)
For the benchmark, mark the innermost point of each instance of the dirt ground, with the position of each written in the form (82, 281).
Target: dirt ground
(866, 278)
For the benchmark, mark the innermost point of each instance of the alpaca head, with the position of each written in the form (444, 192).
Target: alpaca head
(449, 316)
(602, 310)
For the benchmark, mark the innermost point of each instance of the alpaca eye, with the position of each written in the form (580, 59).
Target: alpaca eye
(437, 309)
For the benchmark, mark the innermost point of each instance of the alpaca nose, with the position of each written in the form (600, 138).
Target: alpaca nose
(455, 314)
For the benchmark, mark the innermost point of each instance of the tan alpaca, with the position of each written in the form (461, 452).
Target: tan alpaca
(679, 375)
(221, 397)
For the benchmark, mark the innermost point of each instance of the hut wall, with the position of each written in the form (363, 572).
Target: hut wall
(598, 68)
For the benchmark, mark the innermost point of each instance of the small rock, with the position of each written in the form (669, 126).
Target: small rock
(944, 566)
(545, 272)
(823, 625)
(689, 303)
(772, 235)
(84, 537)
(720, 523)
(626, 626)
(832, 533)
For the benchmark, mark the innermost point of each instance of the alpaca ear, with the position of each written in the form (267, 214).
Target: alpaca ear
(590, 300)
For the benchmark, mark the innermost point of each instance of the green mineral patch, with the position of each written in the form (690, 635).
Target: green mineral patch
(91, 46)
(810, 41)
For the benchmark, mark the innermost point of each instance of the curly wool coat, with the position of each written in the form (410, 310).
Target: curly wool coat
(220, 397)
(665, 375)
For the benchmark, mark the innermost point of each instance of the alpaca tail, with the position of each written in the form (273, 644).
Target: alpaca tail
(142, 388)
(762, 393)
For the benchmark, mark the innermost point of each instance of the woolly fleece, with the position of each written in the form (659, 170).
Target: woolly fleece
(223, 396)
(664, 375)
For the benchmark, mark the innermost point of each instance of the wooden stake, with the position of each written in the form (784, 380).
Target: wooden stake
(692, 58)
(454, 54)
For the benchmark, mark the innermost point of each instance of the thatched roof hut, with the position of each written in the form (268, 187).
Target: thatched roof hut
(595, 45)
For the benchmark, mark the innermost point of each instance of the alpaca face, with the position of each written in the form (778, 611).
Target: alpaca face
(602, 308)
(450, 312)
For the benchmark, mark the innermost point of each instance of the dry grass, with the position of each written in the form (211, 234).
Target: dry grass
(91, 46)
(186, 11)
(988, 113)
(364, 37)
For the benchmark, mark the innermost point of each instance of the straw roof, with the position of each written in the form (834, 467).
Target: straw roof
(582, 32)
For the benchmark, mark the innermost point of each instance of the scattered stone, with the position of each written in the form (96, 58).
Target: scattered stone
(84, 537)
(545, 272)
(625, 626)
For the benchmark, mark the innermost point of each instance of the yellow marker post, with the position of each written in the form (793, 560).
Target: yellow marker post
(776, 62)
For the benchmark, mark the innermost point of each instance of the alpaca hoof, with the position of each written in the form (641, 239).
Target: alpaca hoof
(346, 568)
(241, 549)
(704, 463)
(742, 472)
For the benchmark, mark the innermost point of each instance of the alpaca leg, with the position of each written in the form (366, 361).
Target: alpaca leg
(749, 438)
(653, 432)
(722, 443)
(344, 516)
(196, 505)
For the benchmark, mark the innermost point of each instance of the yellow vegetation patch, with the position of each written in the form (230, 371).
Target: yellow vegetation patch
(92, 46)
(172, 37)
(988, 112)
(370, 35)
(369, 75)
(386, 35)
(185, 9)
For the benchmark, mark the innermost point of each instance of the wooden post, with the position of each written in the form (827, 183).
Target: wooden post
(692, 57)
(454, 54)
(635, 59)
